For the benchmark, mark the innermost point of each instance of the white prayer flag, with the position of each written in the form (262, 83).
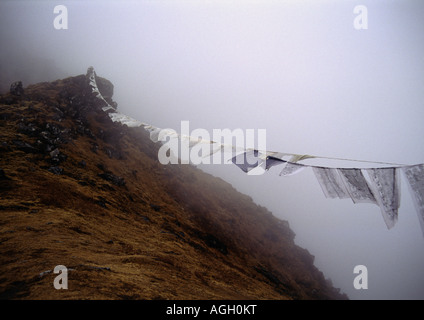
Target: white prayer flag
(386, 185)
(356, 185)
(330, 182)
(415, 178)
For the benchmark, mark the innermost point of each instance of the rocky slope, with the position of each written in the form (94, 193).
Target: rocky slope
(82, 191)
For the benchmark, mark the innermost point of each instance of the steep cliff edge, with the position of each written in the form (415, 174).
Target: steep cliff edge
(82, 191)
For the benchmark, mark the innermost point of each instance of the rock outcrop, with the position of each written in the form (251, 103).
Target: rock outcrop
(16, 88)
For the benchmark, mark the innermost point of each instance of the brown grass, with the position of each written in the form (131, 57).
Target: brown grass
(171, 232)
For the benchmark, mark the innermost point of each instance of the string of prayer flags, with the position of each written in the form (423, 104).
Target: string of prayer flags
(383, 187)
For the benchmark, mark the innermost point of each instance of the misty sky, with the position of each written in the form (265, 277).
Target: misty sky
(298, 69)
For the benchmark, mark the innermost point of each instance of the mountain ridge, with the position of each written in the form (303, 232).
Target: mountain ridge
(83, 191)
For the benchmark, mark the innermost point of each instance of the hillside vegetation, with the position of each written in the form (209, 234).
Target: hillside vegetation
(81, 191)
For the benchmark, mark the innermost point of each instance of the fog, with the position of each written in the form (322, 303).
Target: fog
(299, 69)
